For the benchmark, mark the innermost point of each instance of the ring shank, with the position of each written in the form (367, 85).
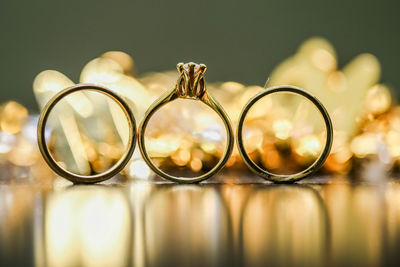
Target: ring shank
(209, 101)
(279, 178)
(76, 178)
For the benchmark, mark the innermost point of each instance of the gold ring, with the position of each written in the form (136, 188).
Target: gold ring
(278, 178)
(88, 179)
(190, 85)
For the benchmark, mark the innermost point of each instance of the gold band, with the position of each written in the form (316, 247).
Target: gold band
(88, 179)
(190, 85)
(278, 178)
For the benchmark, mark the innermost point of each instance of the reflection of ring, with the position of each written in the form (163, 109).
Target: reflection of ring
(278, 178)
(76, 178)
(190, 85)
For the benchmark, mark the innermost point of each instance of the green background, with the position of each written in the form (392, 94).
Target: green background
(238, 40)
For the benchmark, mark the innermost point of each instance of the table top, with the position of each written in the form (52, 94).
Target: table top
(229, 220)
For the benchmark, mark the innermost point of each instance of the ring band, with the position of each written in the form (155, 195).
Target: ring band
(279, 178)
(88, 179)
(190, 85)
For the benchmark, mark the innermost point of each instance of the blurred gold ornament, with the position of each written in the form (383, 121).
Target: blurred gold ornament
(124, 60)
(12, 117)
(20, 159)
(366, 124)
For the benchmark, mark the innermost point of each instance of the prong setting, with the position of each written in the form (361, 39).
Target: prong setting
(179, 67)
(191, 82)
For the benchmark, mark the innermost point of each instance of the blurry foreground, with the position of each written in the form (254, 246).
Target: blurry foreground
(233, 223)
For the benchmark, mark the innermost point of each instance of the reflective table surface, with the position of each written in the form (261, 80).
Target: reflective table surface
(225, 221)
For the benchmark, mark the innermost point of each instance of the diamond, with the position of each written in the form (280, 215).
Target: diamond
(187, 67)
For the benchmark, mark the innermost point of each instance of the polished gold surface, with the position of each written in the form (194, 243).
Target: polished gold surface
(190, 85)
(229, 220)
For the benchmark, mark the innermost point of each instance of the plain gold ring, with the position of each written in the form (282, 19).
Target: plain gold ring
(280, 178)
(87, 179)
